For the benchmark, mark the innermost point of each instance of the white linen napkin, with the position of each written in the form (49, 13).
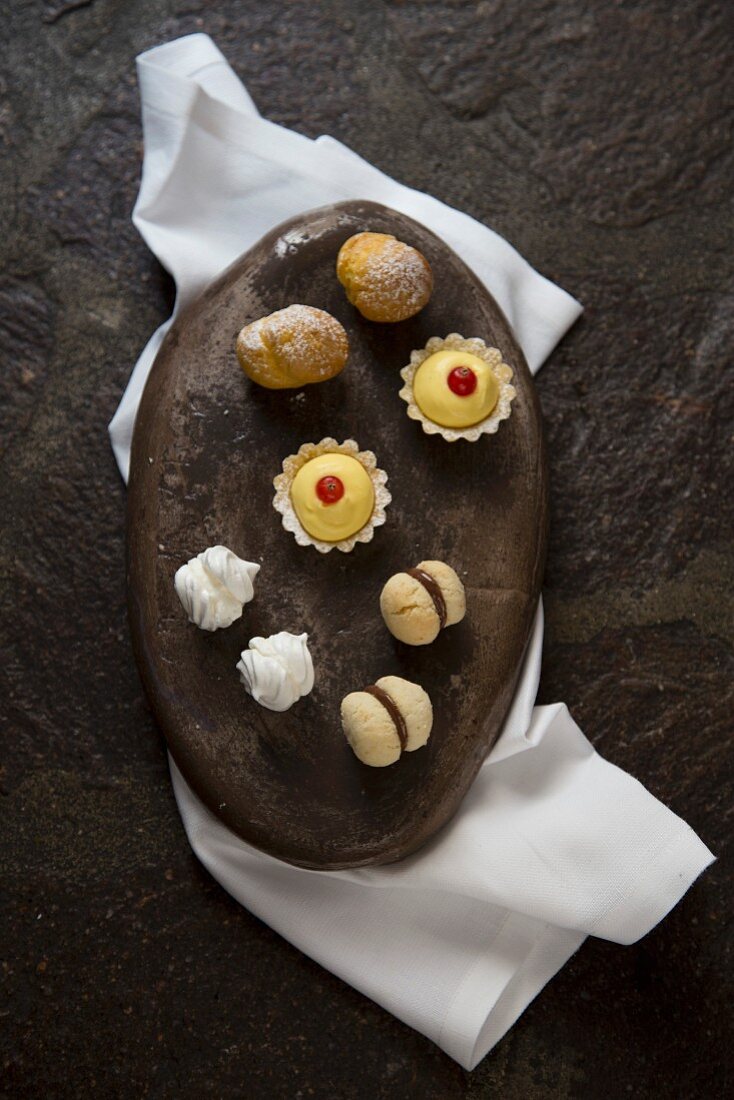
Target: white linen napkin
(552, 843)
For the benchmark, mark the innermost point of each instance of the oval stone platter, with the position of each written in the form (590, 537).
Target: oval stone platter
(206, 447)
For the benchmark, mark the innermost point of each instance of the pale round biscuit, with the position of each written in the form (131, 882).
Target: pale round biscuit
(408, 610)
(415, 706)
(451, 586)
(369, 729)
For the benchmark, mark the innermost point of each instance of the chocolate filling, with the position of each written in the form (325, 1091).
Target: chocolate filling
(391, 707)
(433, 588)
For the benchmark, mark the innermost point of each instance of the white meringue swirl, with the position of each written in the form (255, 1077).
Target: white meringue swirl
(277, 671)
(214, 586)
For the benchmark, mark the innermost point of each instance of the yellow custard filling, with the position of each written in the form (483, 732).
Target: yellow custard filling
(433, 393)
(335, 519)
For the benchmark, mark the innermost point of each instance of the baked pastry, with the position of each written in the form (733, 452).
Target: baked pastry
(417, 604)
(214, 586)
(292, 347)
(277, 671)
(331, 495)
(384, 278)
(457, 388)
(389, 717)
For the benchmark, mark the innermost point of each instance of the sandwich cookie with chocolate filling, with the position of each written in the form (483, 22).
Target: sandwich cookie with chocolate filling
(387, 718)
(417, 604)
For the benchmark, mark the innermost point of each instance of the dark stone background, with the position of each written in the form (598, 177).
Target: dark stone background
(595, 135)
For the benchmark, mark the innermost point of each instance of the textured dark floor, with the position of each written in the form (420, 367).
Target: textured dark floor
(597, 137)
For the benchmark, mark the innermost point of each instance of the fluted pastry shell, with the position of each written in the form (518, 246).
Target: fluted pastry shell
(283, 503)
(473, 346)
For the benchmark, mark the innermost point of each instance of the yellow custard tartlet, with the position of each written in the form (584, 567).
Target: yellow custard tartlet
(457, 388)
(331, 495)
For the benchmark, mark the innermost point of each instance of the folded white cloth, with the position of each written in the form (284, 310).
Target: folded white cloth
(552, 843)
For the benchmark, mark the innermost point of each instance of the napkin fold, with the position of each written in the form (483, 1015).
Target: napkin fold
(552, 843)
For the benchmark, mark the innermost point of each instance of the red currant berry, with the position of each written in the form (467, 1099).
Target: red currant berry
(462, 381)
(329, 489)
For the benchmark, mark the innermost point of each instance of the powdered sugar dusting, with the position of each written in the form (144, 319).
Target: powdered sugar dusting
(396, 272)
(386, 279)
(306, 341)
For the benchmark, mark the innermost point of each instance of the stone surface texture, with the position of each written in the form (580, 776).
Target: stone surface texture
(597, 137)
